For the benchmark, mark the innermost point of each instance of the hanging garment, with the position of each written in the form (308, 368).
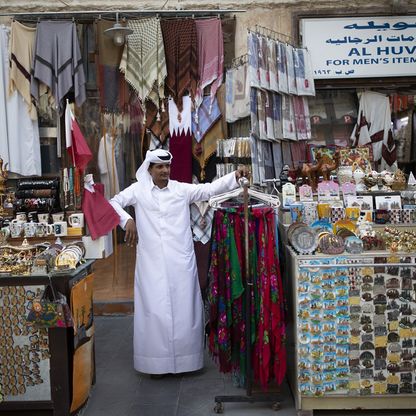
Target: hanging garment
(255, 171)
(261, 113)
(264, 63)
(227, 297)
(22, 45)
(277, 159)
(201, 221)
(100, 216)
(237, 93)
(157, 121)
(143, 62)
(374, 126)
(288, 117)
(291, 78)
(206, 149)
(181, 48)
(76, 145)
(58, 62)
(272, 65)
(269, 115)
(180, 142)
(277, 116)
(19, 134)
(111, 82)
(208, 114)
(253, 47)
(107, 165)
(302, 120)
(254, 119)
(282, 76)
(210, 57)
(305, 84)
(168, 320)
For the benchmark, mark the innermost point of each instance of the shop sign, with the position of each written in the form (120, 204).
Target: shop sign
(361, 47)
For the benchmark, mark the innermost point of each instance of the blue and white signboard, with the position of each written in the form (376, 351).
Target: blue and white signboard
(361, 47)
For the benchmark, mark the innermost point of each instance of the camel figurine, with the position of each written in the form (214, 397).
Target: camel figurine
(328, 164)
(310, 171)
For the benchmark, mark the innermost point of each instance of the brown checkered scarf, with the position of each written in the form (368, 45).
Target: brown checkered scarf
(181, 49)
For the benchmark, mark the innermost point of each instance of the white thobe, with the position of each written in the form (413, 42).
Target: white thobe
(168, 308)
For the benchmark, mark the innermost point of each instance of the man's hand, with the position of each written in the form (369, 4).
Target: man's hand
(242, 171)
(131, 233)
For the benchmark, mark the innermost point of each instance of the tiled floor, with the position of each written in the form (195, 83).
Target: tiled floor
(121, 391)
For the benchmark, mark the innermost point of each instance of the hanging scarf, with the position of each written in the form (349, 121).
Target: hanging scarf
(204, 150)
(305, 84)
(22, 43)
(157, 122)
(261, 113)
(271, 53)
(253, 47)
(143, 61)
(291, 79)
(208, 114)
(58, 62)
(111, 83)
(210, 57)
(277, 116)
(269, 115)
(302, 122)
(374, 126)
(282, 67)
(264, 63)
(237, 93)
(227, 297)
(181, 48)
(289, 129)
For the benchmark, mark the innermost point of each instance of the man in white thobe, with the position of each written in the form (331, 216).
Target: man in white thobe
(168, 318)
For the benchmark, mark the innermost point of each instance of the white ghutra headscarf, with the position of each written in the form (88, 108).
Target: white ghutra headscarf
(157, 156)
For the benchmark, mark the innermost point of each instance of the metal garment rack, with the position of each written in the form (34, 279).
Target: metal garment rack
(249, 397)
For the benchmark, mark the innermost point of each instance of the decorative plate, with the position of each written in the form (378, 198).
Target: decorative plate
(354, 245)
(331, 244)
(304, 239)
(322, 225)
(349, 225)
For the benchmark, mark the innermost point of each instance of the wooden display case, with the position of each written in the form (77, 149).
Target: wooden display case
(39, 366)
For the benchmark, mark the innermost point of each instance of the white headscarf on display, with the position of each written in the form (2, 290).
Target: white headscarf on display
(156, 156)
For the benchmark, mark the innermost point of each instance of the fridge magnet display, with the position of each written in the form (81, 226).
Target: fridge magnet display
(388, 202)
(288, 194)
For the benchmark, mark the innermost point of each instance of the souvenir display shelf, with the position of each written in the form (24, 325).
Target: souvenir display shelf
(53, 395)
(356, 342)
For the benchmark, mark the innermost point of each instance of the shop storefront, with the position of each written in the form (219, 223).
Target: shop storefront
(325, 123)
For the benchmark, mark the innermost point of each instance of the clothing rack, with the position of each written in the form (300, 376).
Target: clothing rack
(89, 15)
(273, 34)
(249, 397)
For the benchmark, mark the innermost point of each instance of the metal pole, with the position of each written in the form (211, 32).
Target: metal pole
(121, 12)
(249, 285)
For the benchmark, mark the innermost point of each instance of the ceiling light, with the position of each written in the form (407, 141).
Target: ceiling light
(118, 32)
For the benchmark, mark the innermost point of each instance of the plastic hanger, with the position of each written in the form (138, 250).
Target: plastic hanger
(268, 199)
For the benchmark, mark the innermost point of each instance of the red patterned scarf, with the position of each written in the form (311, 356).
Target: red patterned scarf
(181, 49)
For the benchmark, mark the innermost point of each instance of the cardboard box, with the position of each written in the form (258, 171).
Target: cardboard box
(100, 248)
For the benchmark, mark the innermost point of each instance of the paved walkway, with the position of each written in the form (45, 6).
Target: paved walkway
(121, 391)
